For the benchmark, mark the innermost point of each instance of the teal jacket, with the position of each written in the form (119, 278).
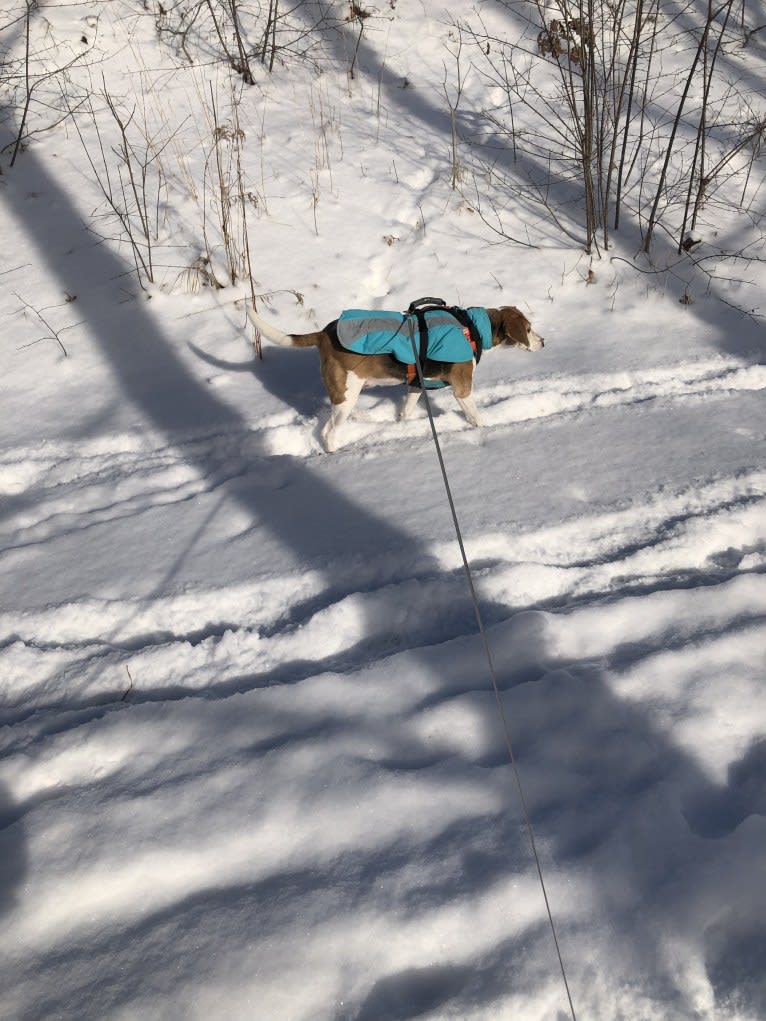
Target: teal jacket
(393, 333)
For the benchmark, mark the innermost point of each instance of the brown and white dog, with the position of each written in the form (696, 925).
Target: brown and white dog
(346, 372)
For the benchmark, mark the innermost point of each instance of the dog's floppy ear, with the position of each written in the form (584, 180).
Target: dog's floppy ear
(515, 329)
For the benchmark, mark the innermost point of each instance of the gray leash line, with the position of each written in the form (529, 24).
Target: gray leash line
(493, 676)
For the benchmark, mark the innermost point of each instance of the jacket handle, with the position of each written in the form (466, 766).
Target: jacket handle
(426, 303)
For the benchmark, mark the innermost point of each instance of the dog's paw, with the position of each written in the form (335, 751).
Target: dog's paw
(329, 438)
(409, 405)
(471, 412)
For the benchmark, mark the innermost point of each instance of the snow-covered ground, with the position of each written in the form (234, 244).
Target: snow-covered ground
(252, 765)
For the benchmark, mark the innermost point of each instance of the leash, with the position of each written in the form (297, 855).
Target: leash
(437, 302)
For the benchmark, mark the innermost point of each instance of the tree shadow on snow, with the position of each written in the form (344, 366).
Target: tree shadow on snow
(626, 807)
(290, 376)
(413, 992)
(13, 856)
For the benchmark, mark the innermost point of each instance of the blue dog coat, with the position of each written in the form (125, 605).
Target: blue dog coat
(393, 333)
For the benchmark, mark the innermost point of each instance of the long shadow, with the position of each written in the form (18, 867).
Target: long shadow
(602, 808)
(292, 377)
(625, 809)
(154, 378)
(130, 955)
(13, 855)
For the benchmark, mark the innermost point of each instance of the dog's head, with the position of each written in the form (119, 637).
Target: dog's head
(512, 328)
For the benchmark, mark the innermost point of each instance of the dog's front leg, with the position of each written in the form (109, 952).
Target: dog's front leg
(462, 387)
(409, 403)
(471, 412)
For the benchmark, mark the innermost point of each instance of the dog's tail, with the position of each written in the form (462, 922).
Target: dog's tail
(277, 336)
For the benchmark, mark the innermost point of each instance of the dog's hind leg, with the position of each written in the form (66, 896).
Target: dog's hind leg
(341, 411)
(409, 403)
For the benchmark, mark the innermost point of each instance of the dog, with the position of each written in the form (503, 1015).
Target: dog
(345, 372)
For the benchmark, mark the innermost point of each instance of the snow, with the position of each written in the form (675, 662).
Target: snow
(252, 764)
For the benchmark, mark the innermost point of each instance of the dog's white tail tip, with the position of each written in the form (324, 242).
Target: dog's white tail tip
(272, 332)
